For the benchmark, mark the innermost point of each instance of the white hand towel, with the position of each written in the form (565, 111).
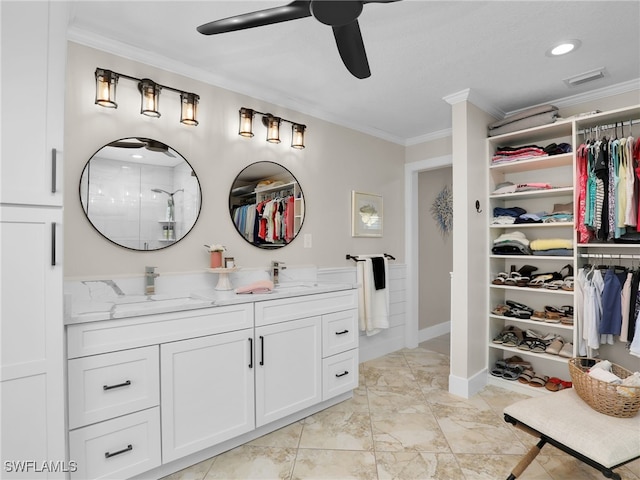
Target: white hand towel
(373, 305)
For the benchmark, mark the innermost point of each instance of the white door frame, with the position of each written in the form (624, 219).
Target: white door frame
(411, 239)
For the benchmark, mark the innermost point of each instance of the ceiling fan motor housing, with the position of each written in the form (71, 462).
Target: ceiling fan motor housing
(336, 14)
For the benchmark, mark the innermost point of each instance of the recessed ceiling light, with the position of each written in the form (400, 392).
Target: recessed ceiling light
(563, 48)
(137, 155)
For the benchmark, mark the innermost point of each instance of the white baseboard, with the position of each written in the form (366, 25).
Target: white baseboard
(434, 331)
(468, 387)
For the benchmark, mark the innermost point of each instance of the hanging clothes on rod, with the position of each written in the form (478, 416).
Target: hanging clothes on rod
(607, 303)
(608, 184)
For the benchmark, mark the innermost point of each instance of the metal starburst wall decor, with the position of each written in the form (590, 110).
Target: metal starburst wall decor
(442, 210)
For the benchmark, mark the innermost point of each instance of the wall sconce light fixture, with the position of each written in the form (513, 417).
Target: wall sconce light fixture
(273, 127)
(106, 81)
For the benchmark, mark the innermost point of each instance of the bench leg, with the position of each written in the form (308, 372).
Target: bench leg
(526, 460)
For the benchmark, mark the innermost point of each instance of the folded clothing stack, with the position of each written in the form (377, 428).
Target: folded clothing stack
(529, 118)
(512, 243)
(552, 246)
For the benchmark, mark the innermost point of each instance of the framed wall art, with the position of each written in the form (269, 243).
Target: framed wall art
(366, 215)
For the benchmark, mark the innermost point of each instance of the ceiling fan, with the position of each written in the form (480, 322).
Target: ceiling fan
(149, 144)
(341, 15)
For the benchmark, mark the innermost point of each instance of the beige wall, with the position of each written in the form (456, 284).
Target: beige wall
(438, 147)
(435, 252)
(336, 161)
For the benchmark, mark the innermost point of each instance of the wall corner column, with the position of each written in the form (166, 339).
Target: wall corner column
(469, 303)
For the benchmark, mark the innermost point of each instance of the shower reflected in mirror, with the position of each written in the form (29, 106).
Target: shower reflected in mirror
(140, 194)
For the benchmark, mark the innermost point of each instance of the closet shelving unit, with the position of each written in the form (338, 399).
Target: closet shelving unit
(556, 170)
(559, 171)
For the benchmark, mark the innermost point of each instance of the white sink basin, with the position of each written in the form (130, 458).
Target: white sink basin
(155, 304)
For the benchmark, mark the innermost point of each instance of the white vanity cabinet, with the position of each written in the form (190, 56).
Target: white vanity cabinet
(206, 392)
(289, 368)
(149, 390)
(299, 340)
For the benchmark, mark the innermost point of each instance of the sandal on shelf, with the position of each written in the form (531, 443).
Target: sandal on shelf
(516, 360)
(555, 346)
(567, 350)
(552, 384)
(527, 270)
(551, 317)
(498, 368)
(512, 339)
(567, 284)
(538, 316)
(499, 280)
(501, 336)
(539, 381)
(568, 268)
(567, 310)
(517, 313)
(537, 282)
(554, 284)
(500, 310)
(534, 345)
(519, 306)
(512, 373)
(526, 376)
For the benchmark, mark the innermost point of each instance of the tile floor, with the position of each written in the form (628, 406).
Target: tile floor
(400, 424)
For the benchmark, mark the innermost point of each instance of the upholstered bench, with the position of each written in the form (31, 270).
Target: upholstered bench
(565, 421)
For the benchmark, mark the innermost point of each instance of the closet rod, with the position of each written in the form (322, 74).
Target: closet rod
(622, 256)
(624, 123)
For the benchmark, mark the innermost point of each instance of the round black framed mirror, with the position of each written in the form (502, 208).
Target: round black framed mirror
(267, 205)
(140, 193)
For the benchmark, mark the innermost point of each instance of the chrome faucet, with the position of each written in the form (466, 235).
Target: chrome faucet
(150, 280)
(275, 271)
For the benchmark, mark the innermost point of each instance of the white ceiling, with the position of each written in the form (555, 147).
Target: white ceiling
(419, 51)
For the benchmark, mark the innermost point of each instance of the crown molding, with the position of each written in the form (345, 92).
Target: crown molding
(472, 96)
(428, 137)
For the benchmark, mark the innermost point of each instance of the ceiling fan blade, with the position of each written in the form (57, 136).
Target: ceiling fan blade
(292, 11)
(351, 48)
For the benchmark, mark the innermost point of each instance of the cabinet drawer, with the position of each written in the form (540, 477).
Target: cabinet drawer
(112, 384)
(339, 373)
(285, 309)
(339, 332)
(118, 448)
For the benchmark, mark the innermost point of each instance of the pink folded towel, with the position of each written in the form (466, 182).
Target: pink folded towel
(261, 286)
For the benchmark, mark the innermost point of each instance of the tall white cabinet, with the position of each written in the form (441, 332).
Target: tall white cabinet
(31, 329)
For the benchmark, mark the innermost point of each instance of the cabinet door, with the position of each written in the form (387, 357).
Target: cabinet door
(33, 74)
(206, 392)
(31, 337)
(288, 368)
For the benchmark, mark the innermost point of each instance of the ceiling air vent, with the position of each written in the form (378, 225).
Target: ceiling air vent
(586, 77)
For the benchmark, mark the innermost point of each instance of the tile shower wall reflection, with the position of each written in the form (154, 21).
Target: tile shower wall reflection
(125, 209)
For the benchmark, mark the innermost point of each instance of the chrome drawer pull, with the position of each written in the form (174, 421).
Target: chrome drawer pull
(109, 455)
(338, 375)
(109, 387)
(342, 332)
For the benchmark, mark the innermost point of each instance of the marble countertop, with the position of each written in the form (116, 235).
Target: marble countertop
(107, 307)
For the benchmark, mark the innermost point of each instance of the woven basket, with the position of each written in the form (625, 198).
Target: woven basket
(602, 396)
